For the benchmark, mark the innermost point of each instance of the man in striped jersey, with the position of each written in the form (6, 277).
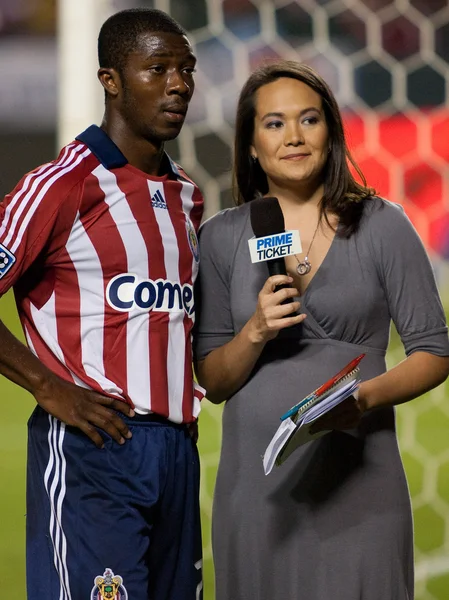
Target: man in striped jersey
(101, 249)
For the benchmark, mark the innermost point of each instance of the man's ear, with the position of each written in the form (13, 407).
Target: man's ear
(110, 80)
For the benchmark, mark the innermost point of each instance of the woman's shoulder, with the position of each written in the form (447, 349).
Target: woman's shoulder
(381, 213)
(220, 235)
(374, 204)
(386, 227)
(226, 220)
(377, 204)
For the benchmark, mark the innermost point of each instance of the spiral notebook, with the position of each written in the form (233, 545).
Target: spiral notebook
(294, 430)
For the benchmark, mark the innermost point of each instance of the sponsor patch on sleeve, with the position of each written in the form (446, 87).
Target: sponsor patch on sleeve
(7, 259)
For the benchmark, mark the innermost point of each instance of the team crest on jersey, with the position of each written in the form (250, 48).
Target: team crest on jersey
(108, 587)
(7, 259)
(193, 240)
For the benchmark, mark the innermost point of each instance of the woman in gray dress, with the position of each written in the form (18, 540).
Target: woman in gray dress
(334, 521)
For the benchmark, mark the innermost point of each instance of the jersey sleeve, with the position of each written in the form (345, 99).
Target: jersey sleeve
(214, 326)
(29, 216)
(408, 280)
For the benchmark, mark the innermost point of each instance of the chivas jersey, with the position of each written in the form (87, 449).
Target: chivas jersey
(103, 260)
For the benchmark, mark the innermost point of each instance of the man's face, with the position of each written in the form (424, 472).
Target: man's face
(157, 85)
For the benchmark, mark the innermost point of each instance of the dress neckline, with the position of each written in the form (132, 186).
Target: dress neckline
(323, 262)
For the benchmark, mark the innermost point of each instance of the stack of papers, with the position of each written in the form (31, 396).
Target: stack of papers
(294, 430)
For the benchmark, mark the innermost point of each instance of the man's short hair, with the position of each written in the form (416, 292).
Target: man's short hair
(119, 35)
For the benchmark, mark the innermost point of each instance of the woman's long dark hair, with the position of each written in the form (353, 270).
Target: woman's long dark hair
(343, 195)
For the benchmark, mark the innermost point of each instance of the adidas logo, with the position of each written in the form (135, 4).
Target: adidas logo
(158, 200)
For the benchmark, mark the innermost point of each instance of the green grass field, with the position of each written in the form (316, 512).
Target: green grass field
(423, 431)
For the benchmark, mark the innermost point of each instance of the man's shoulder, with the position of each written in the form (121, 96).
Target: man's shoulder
(179, 172)
(55, 178)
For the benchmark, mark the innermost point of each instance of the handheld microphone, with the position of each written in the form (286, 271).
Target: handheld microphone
(267, 219)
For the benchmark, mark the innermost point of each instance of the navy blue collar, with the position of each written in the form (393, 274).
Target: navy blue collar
(107, 152)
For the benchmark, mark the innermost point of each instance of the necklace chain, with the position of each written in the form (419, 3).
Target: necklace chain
(304, 266)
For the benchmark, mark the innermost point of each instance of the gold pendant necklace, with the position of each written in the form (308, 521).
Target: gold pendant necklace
(304, 266)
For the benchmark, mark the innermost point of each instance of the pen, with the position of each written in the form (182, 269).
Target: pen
(345, 371)
(325, 387)
(295, 408)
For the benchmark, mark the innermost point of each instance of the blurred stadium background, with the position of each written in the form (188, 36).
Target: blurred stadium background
(388, 63)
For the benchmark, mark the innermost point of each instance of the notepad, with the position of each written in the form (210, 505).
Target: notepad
(294, 430)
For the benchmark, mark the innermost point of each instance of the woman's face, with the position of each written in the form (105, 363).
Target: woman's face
(291, 138)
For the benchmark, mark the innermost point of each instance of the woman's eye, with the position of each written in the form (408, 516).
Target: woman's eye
(273, 124)
(157, 68)
(310, 120)
(190, 70)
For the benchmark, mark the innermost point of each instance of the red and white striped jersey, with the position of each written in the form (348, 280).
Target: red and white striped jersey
(103, 258)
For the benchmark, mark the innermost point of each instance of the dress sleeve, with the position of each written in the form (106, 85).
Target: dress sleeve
(214, 324)
(408, 280)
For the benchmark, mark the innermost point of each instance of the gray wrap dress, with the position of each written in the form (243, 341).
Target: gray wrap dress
(334, 521)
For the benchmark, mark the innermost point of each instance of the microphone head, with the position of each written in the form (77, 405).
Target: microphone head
(266, 216)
